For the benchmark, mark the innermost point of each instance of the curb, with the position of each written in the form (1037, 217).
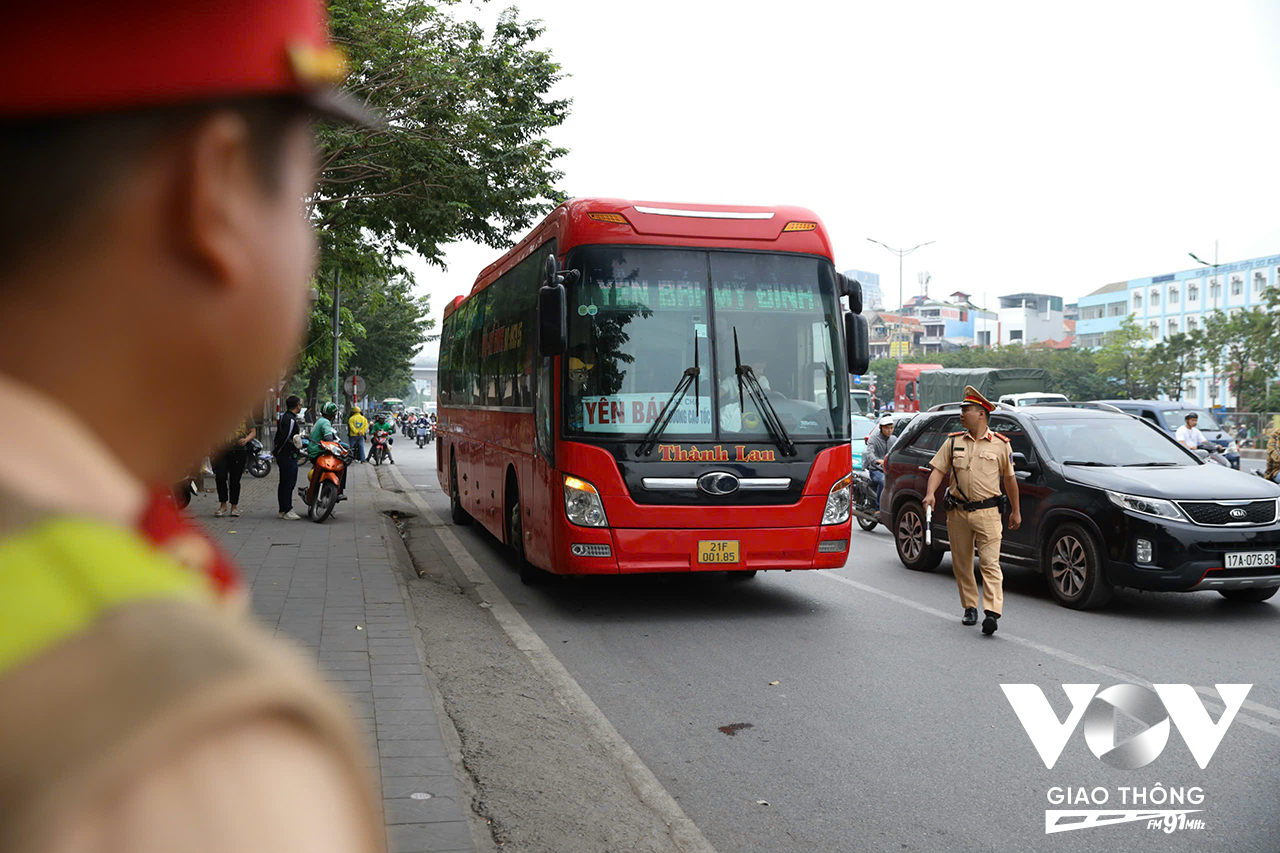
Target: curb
(481, 838)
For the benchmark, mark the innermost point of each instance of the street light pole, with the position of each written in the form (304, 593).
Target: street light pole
(901, 253)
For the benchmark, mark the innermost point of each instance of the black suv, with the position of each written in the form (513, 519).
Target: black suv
(1108, 501)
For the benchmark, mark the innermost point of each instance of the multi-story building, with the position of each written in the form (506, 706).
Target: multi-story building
(893, 335)
(1167, 304)
(1028, 318)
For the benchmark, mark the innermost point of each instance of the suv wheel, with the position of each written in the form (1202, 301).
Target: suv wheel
(908, 537)
(1249, 595)
(1073, 567)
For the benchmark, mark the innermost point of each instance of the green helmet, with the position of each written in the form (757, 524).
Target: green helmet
(329, 409)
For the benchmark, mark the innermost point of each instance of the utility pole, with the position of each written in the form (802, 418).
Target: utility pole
(337, 331)
(901, 253)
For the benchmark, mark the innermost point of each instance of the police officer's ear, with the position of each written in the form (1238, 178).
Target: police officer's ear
(220, 199)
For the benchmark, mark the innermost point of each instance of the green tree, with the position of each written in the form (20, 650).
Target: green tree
(1123, 357)
(1168, 362)
(463, 154)
(1242, 347)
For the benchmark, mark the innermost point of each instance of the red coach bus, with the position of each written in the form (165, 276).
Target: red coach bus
(648, 387)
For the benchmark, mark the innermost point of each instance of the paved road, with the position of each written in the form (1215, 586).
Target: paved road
(887, 728)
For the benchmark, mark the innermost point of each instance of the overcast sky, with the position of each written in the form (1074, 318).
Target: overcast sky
(1045, 147)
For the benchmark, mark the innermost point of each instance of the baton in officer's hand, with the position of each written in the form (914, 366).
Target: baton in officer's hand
(928, 523)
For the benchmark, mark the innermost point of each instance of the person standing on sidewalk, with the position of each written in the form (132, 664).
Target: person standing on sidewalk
(158, 157)
(357, 428)
(978, 461)
(287, 456)
(228, 467)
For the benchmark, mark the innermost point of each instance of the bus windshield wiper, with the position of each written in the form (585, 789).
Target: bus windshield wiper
(1091, 464)
(772, 422)
(668, 410)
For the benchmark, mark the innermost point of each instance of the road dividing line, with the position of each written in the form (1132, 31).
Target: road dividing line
(684, 832)
(1076, 660)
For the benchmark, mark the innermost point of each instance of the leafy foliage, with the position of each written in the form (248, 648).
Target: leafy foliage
(463, 154)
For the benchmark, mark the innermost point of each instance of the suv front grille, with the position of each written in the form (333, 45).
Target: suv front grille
(1212, 513)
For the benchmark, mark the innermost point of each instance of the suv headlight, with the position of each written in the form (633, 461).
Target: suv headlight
(1146, 506)
(582, 503)
(839, 500)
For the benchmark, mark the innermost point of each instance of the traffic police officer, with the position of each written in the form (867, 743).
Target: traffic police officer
(154, 240)
(978, 460)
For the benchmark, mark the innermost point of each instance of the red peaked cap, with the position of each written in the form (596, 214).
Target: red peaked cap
(972, 395)
(70, 57)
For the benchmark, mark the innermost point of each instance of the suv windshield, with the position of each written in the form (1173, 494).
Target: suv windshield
(1109, 441)
(641, 317)
(1177, 417)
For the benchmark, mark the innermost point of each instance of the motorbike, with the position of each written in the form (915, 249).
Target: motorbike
(1233, 454)
(865, 506)
(258, 459)
(424, 433)
(380, 448)
(1213, 454)
(328, 477)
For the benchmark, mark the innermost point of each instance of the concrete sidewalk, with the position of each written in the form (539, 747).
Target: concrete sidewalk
(333, 589)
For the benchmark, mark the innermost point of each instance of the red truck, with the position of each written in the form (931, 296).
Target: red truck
(905, 398)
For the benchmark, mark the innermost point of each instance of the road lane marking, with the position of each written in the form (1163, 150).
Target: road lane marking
(1101, 669)
(684, 832)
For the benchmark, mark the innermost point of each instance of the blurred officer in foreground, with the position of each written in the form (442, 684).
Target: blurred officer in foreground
(153, 240)
(978, 461)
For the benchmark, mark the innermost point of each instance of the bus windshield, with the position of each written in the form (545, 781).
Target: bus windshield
(640, 318)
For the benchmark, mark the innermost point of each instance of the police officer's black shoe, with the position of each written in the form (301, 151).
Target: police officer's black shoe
(989, 624)
(970, 616)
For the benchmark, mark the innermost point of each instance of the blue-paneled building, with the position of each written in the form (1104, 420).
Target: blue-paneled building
(1178, 302)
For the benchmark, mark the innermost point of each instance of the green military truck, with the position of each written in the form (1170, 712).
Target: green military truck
(936, 387)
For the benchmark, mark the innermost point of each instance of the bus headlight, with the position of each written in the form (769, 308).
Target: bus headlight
(582, 503)
(839, 500)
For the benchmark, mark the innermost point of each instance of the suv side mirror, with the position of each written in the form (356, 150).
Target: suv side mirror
(857, 343)
(1020, 462)
(553, 311)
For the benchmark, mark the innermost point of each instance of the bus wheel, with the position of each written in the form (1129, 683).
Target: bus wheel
(456, 512)
(742, 576)
(530, 575)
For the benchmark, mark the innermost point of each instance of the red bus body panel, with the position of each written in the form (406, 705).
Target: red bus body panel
(491, 448)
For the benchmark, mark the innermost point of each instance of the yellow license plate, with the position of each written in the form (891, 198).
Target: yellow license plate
(717, 551)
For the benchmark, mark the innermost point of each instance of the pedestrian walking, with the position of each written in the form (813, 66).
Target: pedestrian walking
(228, 467)
(1272, 472)
(287, 456)
(978, 460)
(157, 159)
(357, 429)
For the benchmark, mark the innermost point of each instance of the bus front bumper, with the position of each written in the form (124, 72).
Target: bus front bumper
(665, 550)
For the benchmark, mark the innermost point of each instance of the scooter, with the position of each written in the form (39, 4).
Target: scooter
(1233, 454)
(380, 448)
(424, 433)
(1213, 454)
(328, 477)
(258, 463)
(865, 506)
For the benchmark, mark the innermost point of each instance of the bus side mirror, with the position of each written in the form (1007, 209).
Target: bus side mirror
(857, 343)
(553, 320)
(553, 312)
(853, 290)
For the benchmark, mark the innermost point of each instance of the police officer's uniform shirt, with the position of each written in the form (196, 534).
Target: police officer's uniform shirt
(979, 464)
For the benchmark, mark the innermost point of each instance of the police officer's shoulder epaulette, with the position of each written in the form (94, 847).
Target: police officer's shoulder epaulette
(1002, 437)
